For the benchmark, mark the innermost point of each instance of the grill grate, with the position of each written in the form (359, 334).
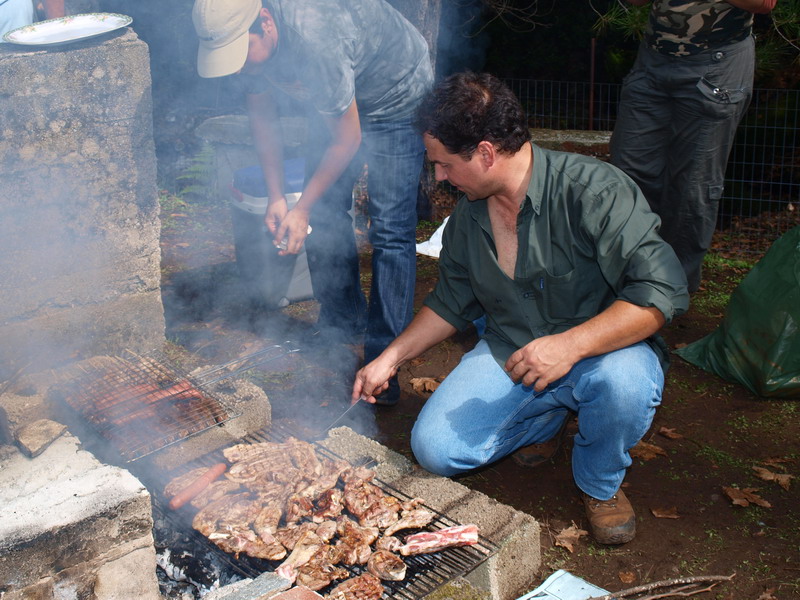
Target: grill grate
(425, 572)
(141, 404)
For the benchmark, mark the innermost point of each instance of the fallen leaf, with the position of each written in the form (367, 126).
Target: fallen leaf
(627, 577)
(775, 462)
(670, 433)
(415, 362)
(745, 496)
(782, 479)
(666, 513)
(424, 384)
(647, 451)
(767, 595)
(567, 538)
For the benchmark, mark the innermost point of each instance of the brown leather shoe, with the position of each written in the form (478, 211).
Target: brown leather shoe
(612, 521)
(534, 455)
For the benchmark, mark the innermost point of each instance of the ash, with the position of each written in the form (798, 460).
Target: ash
(185, 571)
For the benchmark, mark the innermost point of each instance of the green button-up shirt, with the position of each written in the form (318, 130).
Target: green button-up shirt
(586, 237)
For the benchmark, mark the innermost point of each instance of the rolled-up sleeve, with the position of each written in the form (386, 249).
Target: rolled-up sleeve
(639, 265)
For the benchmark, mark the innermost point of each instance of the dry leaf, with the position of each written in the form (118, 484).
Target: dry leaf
(670, 433)
(567, 538)
(666, 513)
(424, 384)
(767, 595)
(647, 451)
(782, 479)
(415, 362)
(775, 462)
(627, 577)
(745, 496)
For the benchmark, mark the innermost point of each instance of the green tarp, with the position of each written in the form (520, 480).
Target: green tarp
(758, 342)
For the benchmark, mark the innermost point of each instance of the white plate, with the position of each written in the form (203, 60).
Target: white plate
(66, 29)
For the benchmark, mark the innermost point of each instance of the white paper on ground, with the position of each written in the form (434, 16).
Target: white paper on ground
(562, 585)
(433, 246)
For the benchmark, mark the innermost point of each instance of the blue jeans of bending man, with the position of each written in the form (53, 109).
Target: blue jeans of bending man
(479, 415)
(393, 152)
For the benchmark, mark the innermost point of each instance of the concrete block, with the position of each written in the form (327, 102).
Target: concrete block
(63, 516)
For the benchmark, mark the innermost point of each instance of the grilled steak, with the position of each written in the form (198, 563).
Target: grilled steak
(363, 587)
(410, 519)
(386, 565)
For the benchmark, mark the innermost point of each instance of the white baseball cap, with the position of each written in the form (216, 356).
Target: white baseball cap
(222, 26)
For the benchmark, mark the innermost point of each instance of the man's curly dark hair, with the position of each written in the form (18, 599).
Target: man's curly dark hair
(468, 108)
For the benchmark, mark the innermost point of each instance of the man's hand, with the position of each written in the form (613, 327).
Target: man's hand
(276, 212)
(371, 380)
(542, 361)
(293, 228)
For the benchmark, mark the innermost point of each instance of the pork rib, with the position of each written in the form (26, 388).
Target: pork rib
(433, 541)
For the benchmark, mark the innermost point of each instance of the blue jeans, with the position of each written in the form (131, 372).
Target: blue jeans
(393, 152)
(479, 415)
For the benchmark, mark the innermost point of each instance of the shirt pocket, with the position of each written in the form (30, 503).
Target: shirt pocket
(567, 297)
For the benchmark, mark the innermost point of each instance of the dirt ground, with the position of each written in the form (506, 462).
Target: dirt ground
(708, 435)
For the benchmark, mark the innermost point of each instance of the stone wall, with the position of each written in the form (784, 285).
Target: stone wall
(79, 221)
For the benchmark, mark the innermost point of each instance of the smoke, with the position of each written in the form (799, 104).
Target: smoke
(463, 42)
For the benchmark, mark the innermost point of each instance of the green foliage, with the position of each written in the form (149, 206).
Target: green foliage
(196, 181)
(629, 20)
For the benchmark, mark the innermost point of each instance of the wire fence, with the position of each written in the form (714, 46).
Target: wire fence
(762, 183)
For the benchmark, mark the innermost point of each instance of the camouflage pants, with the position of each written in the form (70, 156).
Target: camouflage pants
(675, 128)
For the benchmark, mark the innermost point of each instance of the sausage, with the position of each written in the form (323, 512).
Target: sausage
(197, 486)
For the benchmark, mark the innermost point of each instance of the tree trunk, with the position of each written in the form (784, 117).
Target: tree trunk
(424, 14)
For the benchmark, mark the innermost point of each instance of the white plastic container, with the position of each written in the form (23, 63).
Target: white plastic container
(271, 280)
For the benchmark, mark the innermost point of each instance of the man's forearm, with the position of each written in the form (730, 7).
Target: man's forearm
(268, 141)
(425, 331)
(620, 325)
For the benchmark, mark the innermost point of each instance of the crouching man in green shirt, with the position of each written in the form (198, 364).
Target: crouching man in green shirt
(560, 255)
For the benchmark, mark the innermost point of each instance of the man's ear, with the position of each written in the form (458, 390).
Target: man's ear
(487, 153)
(267, 22)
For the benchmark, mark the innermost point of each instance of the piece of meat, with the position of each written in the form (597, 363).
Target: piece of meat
(181, 481)
(386, 565)
(331, 472)
(354, 541)
(297, 507)
(410, 519)
(247, 542)
(289, 535)
(206, 521)
(198, 485)
(329, 505)
(388, 542)
(382, 513)
(360, 495)
(303, 550)
(326, 530)
(362, 587)
(321, 569)
(216, 490)
(267, 520)
(433, 541)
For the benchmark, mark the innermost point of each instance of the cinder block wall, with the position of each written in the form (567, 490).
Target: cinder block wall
(79, 224)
